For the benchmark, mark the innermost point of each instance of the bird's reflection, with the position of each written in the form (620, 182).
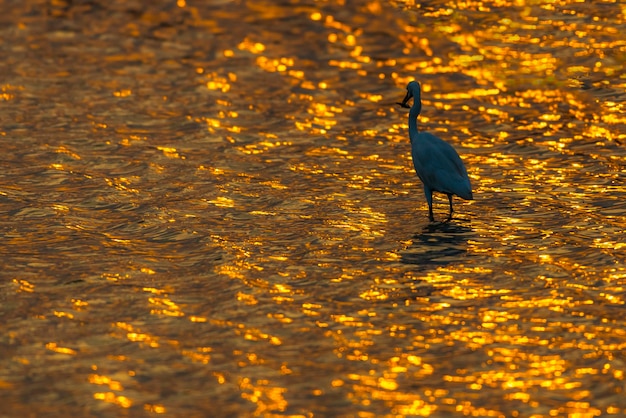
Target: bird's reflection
(437, 244)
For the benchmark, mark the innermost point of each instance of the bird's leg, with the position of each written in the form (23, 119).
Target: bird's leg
(451, 210)
(429, 199)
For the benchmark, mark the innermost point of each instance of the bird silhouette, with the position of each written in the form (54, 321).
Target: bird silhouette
(436, 163)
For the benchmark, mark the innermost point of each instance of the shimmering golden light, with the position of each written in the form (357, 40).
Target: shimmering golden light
(169, 152)
(63, 350)
(266, 397)
(223, 201)
(253, 334)
(68, 152)
(219, 82)
(323, 117)
(373, 295)
(199, 356)
(6, 91)
(110, 397)
(121, 183)
(61, 314)
(165, 307)
(134, 335)
(246, 298)
(24, 285)
(104, 380)
(122, 93)
(254, 47)
(278, 65)
(194, 318)
(154, 290)
(155, 408)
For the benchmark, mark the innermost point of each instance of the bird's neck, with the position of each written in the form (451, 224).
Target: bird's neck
(413, 114)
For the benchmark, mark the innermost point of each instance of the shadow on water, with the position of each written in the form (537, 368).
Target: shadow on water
(438, 244)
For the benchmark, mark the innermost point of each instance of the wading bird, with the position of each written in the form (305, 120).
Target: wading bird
(436, 163)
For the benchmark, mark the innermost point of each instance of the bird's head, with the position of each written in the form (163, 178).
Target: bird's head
(413, 91)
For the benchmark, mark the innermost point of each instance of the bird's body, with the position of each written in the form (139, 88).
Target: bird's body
(436, 162)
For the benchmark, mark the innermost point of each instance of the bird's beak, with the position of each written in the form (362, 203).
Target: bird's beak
(405, 100)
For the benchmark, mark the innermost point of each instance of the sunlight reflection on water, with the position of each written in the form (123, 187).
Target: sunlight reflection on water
(210, 210)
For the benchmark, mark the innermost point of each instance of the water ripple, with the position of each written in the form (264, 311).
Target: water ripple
(217, 201)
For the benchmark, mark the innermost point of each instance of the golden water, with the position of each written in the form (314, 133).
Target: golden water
(208, 208)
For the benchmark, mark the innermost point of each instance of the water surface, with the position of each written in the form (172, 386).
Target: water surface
(209, 209)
